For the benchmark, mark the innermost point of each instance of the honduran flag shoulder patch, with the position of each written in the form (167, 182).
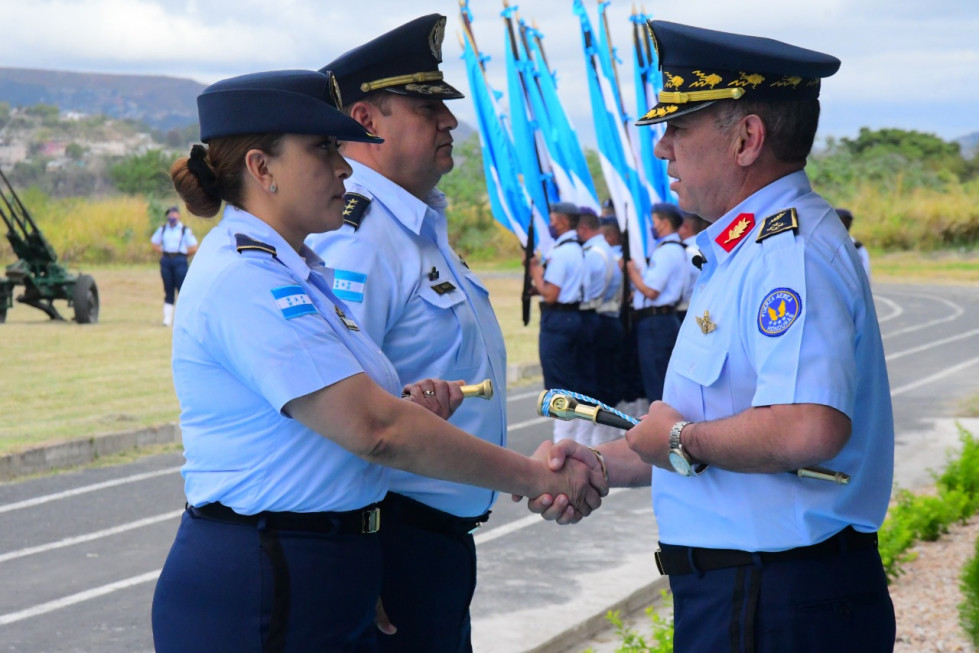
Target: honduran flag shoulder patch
(293, 301)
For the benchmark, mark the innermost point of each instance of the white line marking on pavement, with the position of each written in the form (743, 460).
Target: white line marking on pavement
(529, 422)
(957, 311)
(87, 595)
(934, 377)
(930, 345)
(88, 537)
(87, 488)
(523, 522)
(523, 395)
(896, 309)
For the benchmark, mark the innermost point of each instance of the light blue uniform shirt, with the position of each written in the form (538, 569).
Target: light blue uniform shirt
(565, 268)
(602, 276)
(794, 323)
(253, 332)
(431, 315)
(666, 273)
(175, 239)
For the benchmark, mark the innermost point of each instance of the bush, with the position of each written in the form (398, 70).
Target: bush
(969, 608)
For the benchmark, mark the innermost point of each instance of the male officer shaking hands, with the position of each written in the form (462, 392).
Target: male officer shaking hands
(426, 310)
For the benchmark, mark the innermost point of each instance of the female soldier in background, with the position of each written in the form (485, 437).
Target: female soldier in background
(290, 413)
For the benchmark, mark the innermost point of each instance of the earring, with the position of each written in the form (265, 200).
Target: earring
(273, 188)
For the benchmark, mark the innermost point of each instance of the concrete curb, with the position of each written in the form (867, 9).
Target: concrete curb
(572, 638)
(80, 452)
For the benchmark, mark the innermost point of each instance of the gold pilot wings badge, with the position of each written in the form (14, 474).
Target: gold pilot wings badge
(706, 326)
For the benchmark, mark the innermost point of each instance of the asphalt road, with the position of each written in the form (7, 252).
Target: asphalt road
(80, 551)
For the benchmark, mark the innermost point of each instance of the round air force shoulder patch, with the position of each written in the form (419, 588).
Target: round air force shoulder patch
(778, 311)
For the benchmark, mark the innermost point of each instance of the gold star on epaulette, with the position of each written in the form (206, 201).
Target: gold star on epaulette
(353, 210)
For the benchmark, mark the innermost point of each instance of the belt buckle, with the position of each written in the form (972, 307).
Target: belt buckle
(659, 561)
(370, 521)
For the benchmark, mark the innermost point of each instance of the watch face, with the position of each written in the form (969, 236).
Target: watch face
(680, 464)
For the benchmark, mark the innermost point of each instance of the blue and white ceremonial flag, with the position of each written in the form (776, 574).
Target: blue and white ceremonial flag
(508, 201)
(631, 199)
(568, 163)
(293, 301)
(349, 285)
(648, 84)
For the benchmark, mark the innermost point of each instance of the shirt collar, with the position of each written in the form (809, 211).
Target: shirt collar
(411, 211)
(238, 221)
(781, 193)
(567, 235)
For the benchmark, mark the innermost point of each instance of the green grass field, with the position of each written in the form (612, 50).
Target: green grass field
(66, 381)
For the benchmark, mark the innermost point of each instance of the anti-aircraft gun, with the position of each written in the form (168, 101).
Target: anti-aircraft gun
(37, 268)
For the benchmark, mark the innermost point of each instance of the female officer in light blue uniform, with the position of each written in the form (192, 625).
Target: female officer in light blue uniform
(288, 409)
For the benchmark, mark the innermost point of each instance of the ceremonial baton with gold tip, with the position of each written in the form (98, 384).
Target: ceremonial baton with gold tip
(482, 390)
(567, 405)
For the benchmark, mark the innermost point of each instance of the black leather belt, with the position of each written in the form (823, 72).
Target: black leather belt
(365, 521)
(654, 310)
(417, 514)
(573, 306)
(674, 560)
(172, 254)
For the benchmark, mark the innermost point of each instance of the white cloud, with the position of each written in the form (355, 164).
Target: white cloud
(900, 53)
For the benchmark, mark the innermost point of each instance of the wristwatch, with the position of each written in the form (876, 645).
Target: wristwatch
(678, 457)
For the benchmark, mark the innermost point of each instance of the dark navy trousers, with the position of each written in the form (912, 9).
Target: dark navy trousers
(837, 602)
(173, 269)
(560, 357)
(428, 584)
(655, 338)
(235, 587)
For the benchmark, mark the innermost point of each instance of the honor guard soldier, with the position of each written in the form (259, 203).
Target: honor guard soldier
(174, 241)
(290, 413)
(691, 226)
(779, 365)
(600, 306)
(559, 280)
(427, 310)
(846, 217)
(658, 291)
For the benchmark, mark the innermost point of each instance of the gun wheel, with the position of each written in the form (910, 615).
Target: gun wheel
(86, 300)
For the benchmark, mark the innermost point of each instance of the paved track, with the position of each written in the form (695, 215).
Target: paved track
(80, 552)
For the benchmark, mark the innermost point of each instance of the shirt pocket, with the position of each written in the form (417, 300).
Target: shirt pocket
(450, 315)
(701, 380)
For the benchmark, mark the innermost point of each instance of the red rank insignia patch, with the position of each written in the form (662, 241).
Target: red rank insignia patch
(736, 231)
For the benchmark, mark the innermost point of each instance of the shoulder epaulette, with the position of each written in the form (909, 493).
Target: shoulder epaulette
(353, 210)
(785, 220)
(243, 242)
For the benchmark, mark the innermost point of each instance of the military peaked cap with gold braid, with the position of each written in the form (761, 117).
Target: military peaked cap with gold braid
(703, 66)
(405, 61)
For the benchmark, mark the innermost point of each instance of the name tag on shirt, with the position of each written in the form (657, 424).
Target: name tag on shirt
(444, 287)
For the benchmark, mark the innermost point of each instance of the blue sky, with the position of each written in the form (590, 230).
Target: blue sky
(906, 63)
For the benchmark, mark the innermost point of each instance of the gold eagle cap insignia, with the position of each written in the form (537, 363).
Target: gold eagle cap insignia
(706, 326)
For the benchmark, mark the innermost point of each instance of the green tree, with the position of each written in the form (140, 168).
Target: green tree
(74, 151)
(143, 174)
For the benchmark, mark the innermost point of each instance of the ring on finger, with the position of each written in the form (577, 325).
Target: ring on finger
(428, 393)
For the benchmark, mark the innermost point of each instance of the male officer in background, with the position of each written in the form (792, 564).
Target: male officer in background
(846, 217)
(782, 368)
(601, 292)
(658, 290)
(559, 281)
(426, 310)
(691, 226)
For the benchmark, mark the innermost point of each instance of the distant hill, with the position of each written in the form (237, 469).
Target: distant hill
(162, 102)
(969, 144)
